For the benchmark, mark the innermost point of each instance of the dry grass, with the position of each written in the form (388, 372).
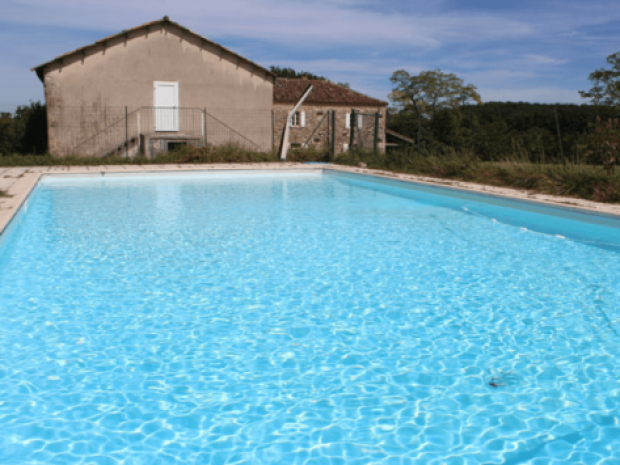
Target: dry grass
(589, 182)
(224, 154)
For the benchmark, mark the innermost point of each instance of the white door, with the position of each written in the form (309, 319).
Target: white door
(166, 106)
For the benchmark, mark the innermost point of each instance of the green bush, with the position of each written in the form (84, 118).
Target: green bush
(25, 131)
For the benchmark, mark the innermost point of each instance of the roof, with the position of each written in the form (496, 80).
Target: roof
(164, 21)
(290, 90)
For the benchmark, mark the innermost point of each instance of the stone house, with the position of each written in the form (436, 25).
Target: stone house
(153, 86)
(312, 124)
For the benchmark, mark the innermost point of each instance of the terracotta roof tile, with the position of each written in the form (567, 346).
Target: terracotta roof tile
(288, 90)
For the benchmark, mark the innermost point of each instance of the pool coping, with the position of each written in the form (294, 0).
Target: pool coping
(26, 179)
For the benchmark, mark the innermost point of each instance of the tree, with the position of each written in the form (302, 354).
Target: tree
(430, 91)
(7, 134)
(606, 89)
(25, 131)
(291, 73)
(604, 144)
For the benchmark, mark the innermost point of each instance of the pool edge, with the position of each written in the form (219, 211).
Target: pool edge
(20, 191)
(611, 211)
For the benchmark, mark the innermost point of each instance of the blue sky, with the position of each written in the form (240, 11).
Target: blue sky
(537, 51)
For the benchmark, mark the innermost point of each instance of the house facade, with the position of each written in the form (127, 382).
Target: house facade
(156, 86)
(312, 125)
(151, 86)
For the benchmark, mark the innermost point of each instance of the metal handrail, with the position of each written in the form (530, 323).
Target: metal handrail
(116, 124)
(104, 129)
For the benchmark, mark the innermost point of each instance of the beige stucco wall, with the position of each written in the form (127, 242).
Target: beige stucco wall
(322, 137)
(89, 92)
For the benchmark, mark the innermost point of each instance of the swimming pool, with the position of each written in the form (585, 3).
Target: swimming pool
(305, 318)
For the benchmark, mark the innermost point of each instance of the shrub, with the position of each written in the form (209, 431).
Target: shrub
(223, 154)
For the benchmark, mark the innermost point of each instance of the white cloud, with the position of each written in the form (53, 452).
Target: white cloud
(544, 60)
(534, 94)
(493, 76)
(305, 24)
(335, 68)
(358, 41)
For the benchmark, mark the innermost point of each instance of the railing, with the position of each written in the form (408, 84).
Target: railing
(219, 133)
(149, 130)
(113, 139)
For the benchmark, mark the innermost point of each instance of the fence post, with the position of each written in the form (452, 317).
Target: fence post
(126, 135)
(473, 134)
(557, 123)
(376, 141)
(352, 124)
(204, 127)
(419, 131)
(334, 133)
(139, 152)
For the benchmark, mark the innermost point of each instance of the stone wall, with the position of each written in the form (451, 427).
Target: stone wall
(321, 140)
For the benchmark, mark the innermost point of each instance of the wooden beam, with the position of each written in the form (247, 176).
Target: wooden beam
(399, 136)
(287, 126)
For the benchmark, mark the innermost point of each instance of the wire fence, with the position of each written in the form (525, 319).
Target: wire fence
(364, 133)
(131, 131)
(148, 131)
(525, 132)
(575, 134)
(332, 129)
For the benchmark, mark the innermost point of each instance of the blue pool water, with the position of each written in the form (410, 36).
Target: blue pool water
(305, 319)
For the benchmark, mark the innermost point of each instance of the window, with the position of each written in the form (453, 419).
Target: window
(358, 117)
(175, 146)
(298, 120)
(295, 120)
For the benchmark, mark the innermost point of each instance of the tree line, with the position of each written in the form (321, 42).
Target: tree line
(506, 130)
(25, 130)
(445, 115)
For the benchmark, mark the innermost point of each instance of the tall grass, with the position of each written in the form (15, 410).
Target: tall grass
(224, 154)
(589, 182)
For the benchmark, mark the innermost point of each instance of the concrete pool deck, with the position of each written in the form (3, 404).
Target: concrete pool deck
(19, 182)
